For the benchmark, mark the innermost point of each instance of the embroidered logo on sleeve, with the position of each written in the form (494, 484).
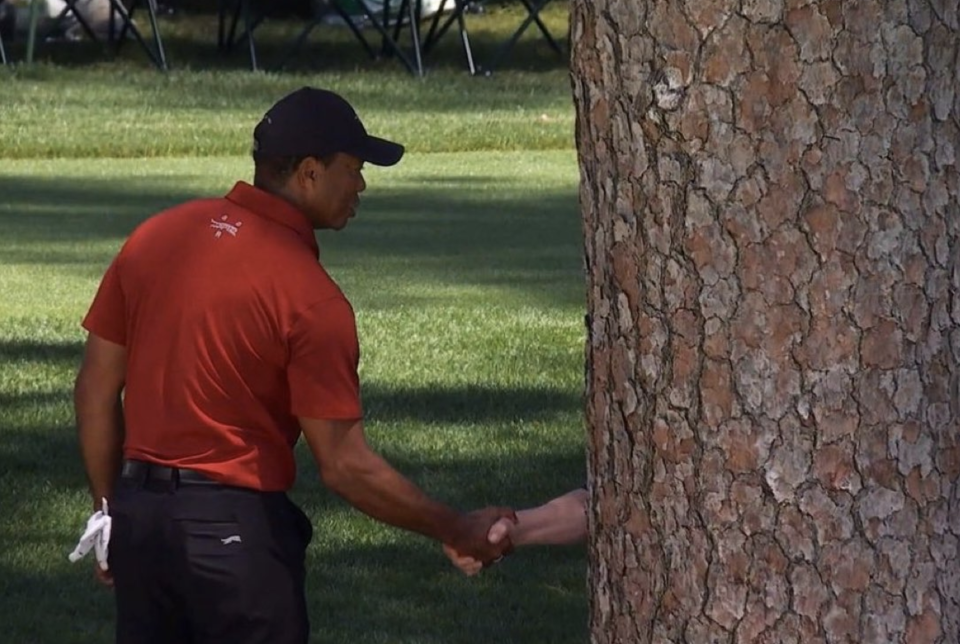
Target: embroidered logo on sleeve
(222, 226)
(232, 539)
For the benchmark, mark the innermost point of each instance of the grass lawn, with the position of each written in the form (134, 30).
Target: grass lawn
(464, 266)
(209, 102)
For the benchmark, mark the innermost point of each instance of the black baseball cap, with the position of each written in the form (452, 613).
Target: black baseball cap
(317, 122)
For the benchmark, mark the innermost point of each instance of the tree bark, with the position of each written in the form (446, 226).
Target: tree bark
(770, 201)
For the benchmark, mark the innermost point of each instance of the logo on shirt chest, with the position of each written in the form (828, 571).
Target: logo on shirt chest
(222, 226)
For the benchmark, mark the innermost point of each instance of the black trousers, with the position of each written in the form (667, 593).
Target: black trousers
(200, 563)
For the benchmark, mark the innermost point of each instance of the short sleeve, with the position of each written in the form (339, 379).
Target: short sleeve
(322, 368)
(107, 315)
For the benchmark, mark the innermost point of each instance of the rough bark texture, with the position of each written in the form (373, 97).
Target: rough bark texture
(770, 201)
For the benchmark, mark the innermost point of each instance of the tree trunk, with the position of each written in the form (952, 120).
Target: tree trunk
(770, 202)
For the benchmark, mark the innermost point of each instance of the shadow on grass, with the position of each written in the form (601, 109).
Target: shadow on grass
(390, 588)
(34, 441)
(393, 588)
(33, 399)
(402, 593)
(12, 351)
(456, 233)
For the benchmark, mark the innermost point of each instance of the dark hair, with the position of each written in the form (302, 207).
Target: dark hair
(271, 172)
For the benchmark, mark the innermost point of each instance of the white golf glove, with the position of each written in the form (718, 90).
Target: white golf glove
(96, 537)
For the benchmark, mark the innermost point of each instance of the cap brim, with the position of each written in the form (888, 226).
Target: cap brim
(378, 151)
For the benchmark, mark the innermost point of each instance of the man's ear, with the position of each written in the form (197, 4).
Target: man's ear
(308, 170)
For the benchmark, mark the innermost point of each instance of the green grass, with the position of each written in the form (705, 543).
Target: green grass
(209, 103)
(464, 266)
(468, 291)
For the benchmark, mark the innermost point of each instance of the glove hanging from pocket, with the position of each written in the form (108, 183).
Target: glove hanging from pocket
(95, 537)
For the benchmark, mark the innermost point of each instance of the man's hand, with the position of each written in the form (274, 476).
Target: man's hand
(105, 577)
(561, 520)
(471, 537)
(467, 565)
(497, 534)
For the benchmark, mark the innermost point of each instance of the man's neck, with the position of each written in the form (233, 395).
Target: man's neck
(285, 193)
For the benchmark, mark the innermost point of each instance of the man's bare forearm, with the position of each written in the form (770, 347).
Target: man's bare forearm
(562, 520)
(374, 487)
(369, 483)
(100, 432)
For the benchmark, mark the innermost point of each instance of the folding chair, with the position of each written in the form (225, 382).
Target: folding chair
(460, 7)
(242, 10)
(534, 7)
(408, 11)
(117, 8)
(438, 29)
(158, 55)
(412, 10)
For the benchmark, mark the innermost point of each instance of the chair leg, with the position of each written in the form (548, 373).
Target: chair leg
(414, 10)
(533, 16)
(398, 27)
(3, 52)
(535, 10)
(428, 42)
(32, 29)
(249, 26)
(112, 27)
(348, 20)
(467, 49)
(437, 30)
(385, 34)
(71, 7)
(157, 56)
(234, 21)
(114, 36)
(439, 27)
(221, 24)
(158, 42)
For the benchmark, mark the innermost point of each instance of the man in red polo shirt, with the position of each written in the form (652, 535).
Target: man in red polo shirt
(216, 339)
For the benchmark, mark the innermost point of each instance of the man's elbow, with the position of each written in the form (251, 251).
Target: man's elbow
(332, 476)
(93, 394)
(102, 374)
(342, 473)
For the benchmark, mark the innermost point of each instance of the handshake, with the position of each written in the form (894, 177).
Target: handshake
(481, 538)
(559, 521)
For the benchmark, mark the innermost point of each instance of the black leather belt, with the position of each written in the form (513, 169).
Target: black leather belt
(142, 472)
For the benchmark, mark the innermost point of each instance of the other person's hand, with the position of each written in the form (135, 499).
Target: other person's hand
(497, 534)
(471, 539)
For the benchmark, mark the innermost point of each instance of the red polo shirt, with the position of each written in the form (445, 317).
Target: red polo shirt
(233, 330)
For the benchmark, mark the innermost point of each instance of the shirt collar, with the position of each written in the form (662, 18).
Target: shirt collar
(274, 208)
